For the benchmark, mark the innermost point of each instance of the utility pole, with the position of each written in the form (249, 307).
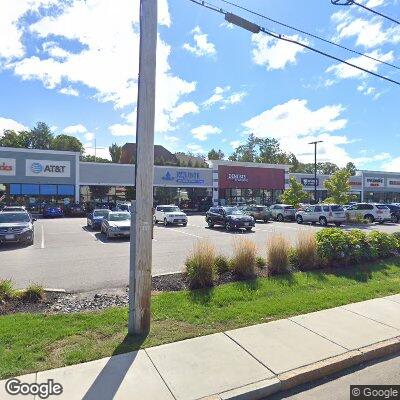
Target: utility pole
(315, 168)
(142, 218)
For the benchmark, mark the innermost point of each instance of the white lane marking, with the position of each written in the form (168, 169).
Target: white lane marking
(42, 244)
(189, 234)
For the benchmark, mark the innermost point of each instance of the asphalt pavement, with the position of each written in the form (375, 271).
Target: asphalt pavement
(66, 255)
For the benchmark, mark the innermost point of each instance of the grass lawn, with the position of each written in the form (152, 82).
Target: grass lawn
(33, 342)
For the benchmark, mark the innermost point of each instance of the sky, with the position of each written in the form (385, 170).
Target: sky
(74, 65)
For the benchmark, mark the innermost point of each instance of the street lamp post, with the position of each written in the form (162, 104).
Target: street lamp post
(315, 168)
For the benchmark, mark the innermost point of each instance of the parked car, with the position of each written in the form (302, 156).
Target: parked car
(13, 208)
(394, 212)
(170, 214)
(116, 224)
(53, 211)
(371, 212)
(324, 214)
(261, 213)
(123, 207)
(16, 227)
(230, 218)
(75, 210)
(282, 212)
(95, 218)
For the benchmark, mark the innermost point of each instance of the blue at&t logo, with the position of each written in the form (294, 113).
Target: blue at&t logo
(36, 168)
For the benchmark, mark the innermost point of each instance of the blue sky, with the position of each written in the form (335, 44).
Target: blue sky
(74, 65)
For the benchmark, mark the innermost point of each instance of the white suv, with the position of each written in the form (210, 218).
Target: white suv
(170, 214)
(322, 213)
(371, 212)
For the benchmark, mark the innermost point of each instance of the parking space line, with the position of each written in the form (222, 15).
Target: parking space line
(189, 234)
(42, 243)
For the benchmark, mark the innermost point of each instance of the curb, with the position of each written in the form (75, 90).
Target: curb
(50, 290)
(321, 369)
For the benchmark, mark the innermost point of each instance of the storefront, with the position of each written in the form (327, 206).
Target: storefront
(249, 183)
(380, 187)
(34, 178)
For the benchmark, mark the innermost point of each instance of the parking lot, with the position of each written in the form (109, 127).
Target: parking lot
(67, 256)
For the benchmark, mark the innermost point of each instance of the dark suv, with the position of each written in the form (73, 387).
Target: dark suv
(229, 218)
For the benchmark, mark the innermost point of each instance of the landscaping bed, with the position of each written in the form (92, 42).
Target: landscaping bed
(36, 341)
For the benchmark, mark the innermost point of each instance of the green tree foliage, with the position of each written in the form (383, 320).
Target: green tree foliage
(67, 143)
(338, 187)
(215, 155)
(41, 137)
(295, 194)
(115, 152)
(15, 139)
(325, 168)
(90, 158)
(351, 168)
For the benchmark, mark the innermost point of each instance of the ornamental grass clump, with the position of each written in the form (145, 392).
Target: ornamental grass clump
(7, 290)
(306, 252)
(200, 265)
(244, 260)
(33, 293)
(221, 264)
(278, 249)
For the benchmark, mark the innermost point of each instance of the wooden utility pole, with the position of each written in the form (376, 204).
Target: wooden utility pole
(142, 218)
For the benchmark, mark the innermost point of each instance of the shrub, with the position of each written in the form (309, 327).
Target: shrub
(244, 258)
(293, 258)
(261, 262)
(382, 244)
(359, 247)
(333, 246)
(306, 252)
(33, 293)
(221, 264)
(278, 254)
(200, 265)
(6, 289)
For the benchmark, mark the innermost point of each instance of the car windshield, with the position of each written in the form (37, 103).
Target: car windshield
(100, 213)
(119, 217)
(7, 217)
(233, 211)
(337, 208)
(289, 208)
(169, 209)
(11, 208)
(382, 207)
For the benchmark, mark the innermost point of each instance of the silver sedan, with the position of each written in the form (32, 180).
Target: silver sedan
(116, 224)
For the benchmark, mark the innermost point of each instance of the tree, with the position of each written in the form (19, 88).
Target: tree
(41, 137)
(67, 143)
(295, 194)
(15, 139)
(91, 158)
(351, 168)
(115, 152)
(338, 187)
(327, 168)
(99, 192)
(215, 155)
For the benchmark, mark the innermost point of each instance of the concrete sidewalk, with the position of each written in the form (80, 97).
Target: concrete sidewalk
(247, 363)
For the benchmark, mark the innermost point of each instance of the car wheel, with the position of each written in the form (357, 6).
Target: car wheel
(228, 227)
(184, 224)
(394, 218)
(370, 218)
(266, 219)
(210, 224)
(299, 219)
(280, 218)
(248, 229)
(338, 224)
(323, 221)
(165, 222)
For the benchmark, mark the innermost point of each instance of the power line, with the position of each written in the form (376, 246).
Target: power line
(309, 34)
(255, 28)
(352, 2)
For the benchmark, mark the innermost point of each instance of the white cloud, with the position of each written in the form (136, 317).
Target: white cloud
(202, 47)
(107, 61)
(102, 152)
(274, 53)
(195, 148)
(187, 107)
(74, 129)
(344, 71)
(203, 131)
(122, 130)
(10, 124)
(224, 97)
(295, 125)
(235, 144)
(69, 91)
(89, 136)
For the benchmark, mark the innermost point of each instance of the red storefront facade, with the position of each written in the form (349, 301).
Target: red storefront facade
(236, 183)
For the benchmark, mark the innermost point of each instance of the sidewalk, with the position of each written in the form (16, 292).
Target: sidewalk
(247, 363)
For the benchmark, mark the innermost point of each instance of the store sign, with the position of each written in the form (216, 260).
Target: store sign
(48, 168)
(309, 182)
(395, 183)
(355, 183)
(7, 166)
(184, 177)
(238, 177)
(374, 182)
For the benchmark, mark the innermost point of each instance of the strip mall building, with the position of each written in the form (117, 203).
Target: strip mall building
(37, 177)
